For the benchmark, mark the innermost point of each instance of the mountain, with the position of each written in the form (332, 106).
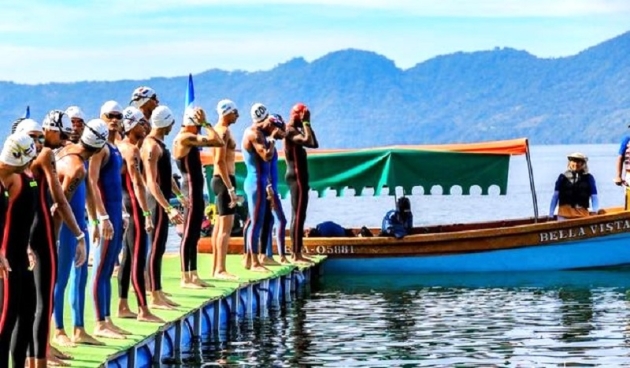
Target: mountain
(361, 99)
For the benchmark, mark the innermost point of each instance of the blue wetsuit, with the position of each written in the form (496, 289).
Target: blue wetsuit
(110, 186)
(255, 191)
(66, 250)
(279, 220)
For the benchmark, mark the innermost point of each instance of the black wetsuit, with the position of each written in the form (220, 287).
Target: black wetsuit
(17, 310)
(297, 180)
(192, 187)
(160, 219)
(43, 244)
(134, 256)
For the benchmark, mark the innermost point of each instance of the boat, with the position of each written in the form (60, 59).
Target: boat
(535, 243)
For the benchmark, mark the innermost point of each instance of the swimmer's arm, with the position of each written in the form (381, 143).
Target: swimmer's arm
(96, 208)
(306, 139)
(257, 140)
(212, 139)
(57, 194)
(219, 155)
(150, 156)
(175, 188)
(132, 161)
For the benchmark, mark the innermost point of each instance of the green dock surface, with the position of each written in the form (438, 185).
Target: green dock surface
(189, 299)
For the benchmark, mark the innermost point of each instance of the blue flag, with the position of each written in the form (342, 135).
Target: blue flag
(27, 113)
(190, 93)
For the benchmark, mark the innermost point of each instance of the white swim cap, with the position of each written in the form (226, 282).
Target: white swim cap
(131, 117)
(111, 106)
(95, 133)
(141, 95)
(259, 112)
(18, 150)
(225, 107)
(54, 120)
(75, 112)
(189, 117)
(162, 117)
(28, 125)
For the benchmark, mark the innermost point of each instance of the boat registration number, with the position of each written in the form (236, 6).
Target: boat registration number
(333, 249)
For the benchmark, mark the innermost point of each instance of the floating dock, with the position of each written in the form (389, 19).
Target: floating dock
(201, 311)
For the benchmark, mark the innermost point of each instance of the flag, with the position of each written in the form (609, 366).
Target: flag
(190, 93)
(27, 113)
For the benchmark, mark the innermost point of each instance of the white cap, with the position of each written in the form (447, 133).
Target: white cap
(225, 107)
(18, 150)
(131, 117)
(189, 117)
(162, 117)
(75, 112)
(54, 120)
(28, 125)
(259, 112)
(95, 133)
(578, 156)
(141, 95)
(110, 106)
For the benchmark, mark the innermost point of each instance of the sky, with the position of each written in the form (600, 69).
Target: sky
(44, 41)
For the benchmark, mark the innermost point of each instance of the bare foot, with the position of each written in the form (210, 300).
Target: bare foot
(106, 332)
(83, 338)
(259, 268)
(197, 280)
(224, 275)
(63, 340)
(115, 328)
(284, 260)
(50, 361)
(168, 301)
(247, 262)
(115, 272)
(268, 261)
(126, 313)
(189, 285)
(59, 354)
(146, 316)
(161, 305)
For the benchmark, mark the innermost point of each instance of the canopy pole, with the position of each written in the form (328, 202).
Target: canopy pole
(531, 180)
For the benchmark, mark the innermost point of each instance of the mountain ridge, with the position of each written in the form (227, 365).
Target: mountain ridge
(360, 98)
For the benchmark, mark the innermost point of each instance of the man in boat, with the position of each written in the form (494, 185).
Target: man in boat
(623, 161)
(257, 153)
(224, 187)
(274, 215)
(72, 162)
(575, 190)
(156, 160)
(186, 153)
(299, 135)
(105, 211)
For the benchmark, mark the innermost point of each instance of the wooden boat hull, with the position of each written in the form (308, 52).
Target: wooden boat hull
(503, 246)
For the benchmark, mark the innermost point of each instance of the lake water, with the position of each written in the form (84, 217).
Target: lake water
(491, 320)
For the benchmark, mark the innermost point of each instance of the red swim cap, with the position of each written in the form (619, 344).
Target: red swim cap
(298, 108)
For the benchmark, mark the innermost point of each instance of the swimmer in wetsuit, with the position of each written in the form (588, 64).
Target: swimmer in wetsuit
(186, 153)
(158, 170)
(140, 222)
(43, 232)
(299, 135)
(257, 152)
(72, 168)
(274, 215)
(105, 211)
(17, 286)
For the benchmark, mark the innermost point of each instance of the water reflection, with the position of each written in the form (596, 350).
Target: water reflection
(528, 319)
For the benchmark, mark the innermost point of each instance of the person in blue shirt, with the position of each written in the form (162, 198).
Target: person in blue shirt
(623, 160)
(575, 190)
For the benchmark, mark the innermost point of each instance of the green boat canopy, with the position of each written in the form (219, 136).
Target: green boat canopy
(465, 166)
